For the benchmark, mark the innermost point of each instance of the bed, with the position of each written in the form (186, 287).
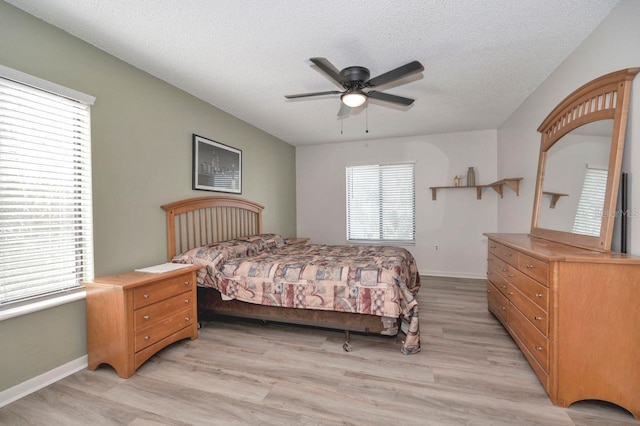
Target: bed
(250, 274)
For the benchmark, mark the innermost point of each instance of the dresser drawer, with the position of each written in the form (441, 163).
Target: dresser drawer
(163, 328)
(536, 269)
(498, 266)
(530, 310)
(507, 254)
(535, 291)
(149, 315)
(494, 248)
(497, 303)
(155, 292)
(499, 282)
(533, 340)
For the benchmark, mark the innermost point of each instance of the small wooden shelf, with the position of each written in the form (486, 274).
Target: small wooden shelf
(513, 183)
(555, 196)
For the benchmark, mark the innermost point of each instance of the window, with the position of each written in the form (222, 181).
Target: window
(46, 235)
(589, 214)
(381, 203)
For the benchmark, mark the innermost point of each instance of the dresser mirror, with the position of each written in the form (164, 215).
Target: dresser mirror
(580, 163)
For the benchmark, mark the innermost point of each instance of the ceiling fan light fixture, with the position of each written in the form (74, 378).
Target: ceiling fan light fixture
(353, 99)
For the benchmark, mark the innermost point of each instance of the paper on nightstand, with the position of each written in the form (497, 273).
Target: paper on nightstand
(164, 267)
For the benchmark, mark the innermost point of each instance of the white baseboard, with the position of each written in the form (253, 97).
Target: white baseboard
(450, 274)
(45, 379)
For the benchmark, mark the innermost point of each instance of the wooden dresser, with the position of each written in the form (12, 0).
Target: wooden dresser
(574, 313)
(133, 315)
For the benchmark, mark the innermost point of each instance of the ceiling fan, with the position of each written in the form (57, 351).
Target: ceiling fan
(355, 79)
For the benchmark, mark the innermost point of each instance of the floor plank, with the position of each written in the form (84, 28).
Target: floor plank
(469, 372)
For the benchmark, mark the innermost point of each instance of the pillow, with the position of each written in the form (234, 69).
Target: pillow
(264, 241)
(232, 249)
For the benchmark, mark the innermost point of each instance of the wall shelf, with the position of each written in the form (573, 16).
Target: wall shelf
(513, 183)
(555, 196)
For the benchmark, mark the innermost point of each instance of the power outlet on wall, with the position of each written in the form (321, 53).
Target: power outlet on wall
(436, 247)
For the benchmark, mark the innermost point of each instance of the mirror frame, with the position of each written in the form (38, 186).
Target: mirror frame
(606, 97)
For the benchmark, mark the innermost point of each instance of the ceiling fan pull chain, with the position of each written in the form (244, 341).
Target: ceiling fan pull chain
(366, 114)
(341, 121)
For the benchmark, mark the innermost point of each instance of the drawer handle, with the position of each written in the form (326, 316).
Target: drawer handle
(504, 269)
(504, 286)
(510, 275)
(186, 283)
(147, 337)
(504, 308)
(539, 295)
(538, 318)
(146, 296)
(538, 348)
(186, 300)
(529, 266)
(508, 254)
(492, 247)
(187, 318)
(488, 291)
(146, 317)
(510, 293)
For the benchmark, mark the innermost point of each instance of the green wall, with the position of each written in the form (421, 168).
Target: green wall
(141, 141)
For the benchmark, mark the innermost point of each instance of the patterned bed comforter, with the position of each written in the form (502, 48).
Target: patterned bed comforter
(375, 280)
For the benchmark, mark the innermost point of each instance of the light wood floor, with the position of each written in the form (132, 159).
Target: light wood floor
(469, 373)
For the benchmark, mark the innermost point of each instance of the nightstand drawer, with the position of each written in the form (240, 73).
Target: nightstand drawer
(156, 292)
(149, 315)
(164, 328)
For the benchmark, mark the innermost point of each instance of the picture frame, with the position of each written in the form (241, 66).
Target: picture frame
(216, 166)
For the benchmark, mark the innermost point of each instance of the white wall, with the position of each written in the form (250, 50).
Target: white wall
(141, 130)
(455, 221)
(614, 45)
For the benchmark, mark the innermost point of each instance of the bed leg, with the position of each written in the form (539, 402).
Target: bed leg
(347, 345)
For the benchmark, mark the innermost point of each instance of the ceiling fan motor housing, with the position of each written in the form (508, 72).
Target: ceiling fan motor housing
(355, 75)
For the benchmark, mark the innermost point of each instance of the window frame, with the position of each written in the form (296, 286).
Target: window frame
(37, 302)
(380, 169)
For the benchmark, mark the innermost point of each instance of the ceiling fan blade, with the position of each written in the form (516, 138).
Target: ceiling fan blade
(329, 69)
(344, 111)
(390, 98)
(396, 74)
(306, 95)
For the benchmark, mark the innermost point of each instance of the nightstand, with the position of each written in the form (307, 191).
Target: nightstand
(131, 316)
(292, 241)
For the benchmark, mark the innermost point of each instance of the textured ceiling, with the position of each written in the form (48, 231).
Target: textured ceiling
(481, 58)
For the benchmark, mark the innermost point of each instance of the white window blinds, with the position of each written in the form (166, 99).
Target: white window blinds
(46, 235)
(381, 203)
(589, 214)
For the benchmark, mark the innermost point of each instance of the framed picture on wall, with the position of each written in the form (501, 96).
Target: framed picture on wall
(216, 166)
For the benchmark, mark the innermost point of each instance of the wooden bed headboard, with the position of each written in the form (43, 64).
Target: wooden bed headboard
(196, 222)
